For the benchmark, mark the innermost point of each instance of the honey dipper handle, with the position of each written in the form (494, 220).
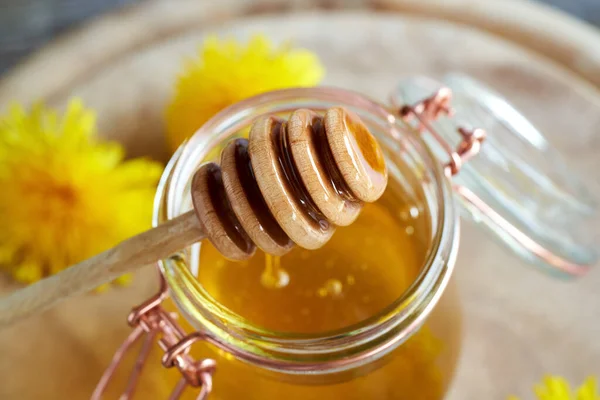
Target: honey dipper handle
(131, 254)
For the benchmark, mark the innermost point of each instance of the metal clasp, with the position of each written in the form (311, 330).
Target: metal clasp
(427, 111)
(430, 109)
(152, 321)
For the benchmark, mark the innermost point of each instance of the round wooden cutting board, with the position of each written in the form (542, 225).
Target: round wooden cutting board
(520, 324)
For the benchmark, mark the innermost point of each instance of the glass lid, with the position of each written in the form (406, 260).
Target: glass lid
(517, 186)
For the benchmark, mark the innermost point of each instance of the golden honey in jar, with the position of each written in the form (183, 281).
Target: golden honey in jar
(363, 269)
(370, 315)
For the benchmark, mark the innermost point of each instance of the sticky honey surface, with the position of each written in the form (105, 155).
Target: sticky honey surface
(361, 270)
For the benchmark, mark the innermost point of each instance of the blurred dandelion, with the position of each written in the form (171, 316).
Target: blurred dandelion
(226, 72)
(557, 388)
(65, 195)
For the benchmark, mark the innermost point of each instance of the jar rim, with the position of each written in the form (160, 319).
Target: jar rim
(324, 352)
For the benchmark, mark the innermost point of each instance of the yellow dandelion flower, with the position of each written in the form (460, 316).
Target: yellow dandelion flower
(65, 196)
(557, 388)
(226, 72)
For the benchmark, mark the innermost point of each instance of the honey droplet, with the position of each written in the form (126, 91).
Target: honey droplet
(273, 276)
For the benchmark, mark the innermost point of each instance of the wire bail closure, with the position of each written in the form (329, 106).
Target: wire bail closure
(483, 199)
(430, 109)
(150, 319)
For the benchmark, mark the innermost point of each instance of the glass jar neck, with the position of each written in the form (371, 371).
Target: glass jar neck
(336, 351)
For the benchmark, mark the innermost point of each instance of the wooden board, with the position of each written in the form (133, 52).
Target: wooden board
(519, 323)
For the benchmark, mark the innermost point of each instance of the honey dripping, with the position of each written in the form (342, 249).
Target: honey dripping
(274, 276)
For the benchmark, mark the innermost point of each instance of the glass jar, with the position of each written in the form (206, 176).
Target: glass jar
(402, 338)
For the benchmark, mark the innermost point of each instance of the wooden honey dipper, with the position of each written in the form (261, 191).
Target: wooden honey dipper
(291, 182)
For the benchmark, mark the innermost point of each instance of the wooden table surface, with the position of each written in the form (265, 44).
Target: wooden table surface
(26, 25)
(520, 324)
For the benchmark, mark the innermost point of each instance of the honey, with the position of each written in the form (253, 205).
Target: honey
(363, 269)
